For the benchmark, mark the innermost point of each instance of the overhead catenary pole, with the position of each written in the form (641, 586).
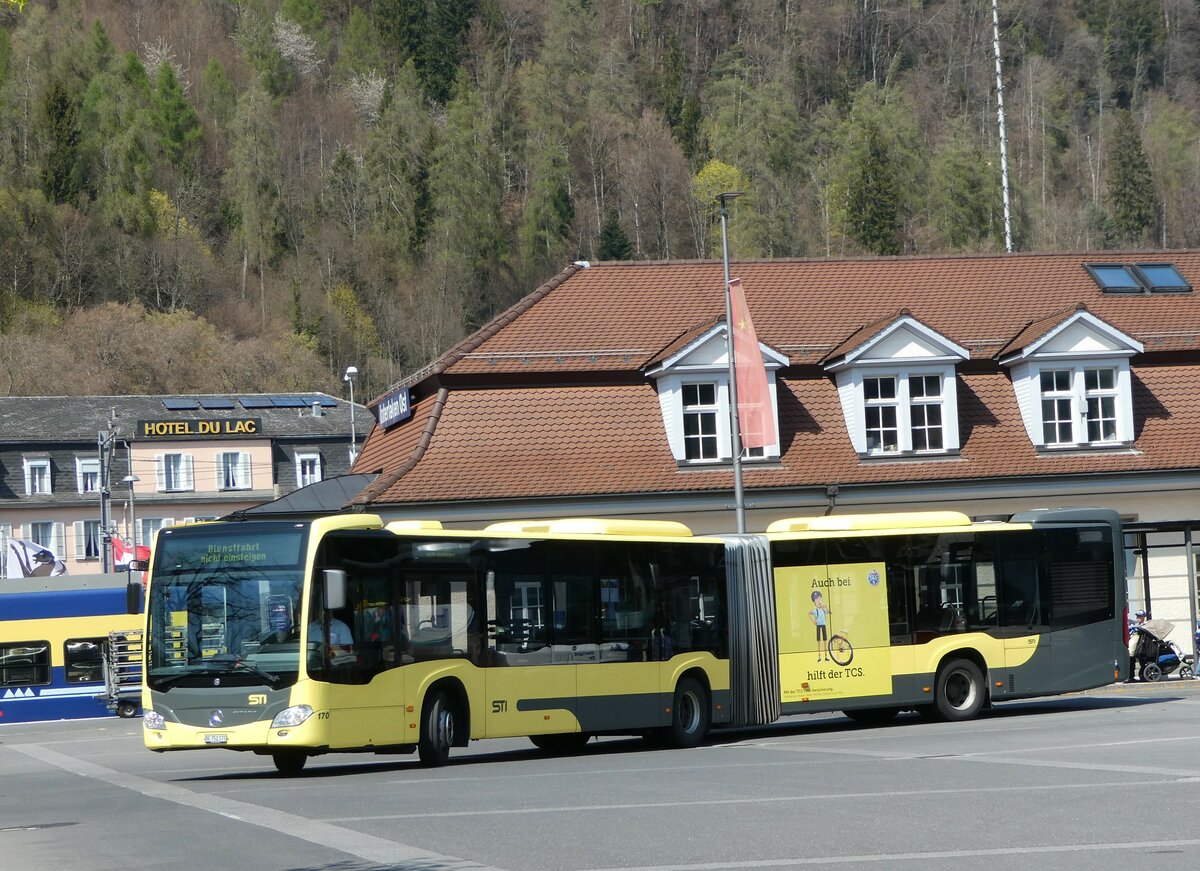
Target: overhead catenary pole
(735, 432)
(1008, 244)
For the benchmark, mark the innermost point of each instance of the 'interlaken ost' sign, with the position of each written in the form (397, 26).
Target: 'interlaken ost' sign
(168, 429)
(394, 408)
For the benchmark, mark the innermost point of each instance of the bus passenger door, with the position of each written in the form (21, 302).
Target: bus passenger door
(529, 682)
(1024, 617)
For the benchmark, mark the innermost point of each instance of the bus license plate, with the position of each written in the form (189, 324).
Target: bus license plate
(216, 739)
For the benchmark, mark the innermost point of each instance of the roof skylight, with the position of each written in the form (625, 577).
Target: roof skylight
(1138, 277)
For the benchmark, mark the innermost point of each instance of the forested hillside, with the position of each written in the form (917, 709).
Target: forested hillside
(219, 196)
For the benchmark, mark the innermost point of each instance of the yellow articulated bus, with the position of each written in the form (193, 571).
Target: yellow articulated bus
(343, 634)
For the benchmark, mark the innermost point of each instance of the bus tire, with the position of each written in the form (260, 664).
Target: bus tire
(959, 693)
(126, 709)
(872, 716)
(689, 714)
(566, 742)
(289, 762)
(437, 730)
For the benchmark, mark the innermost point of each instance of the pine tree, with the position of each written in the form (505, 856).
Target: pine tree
(614, 244)
(175, 121)
(220, 98)
(874, 204)
(60, 134)
(1130, 183)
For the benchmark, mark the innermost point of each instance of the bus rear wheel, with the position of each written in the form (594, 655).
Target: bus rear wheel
(567, 742)
(959, 693)
(437, 730)
(289, 762)
(689, 714)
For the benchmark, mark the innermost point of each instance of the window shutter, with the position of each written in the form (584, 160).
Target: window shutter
(80, 540)
(160, 472)
(185, 472)
(28, 480)
(219, 462)
(60, 536)
(318, 472)
(244, 480)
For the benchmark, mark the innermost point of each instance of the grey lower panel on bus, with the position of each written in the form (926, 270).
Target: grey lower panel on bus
(625, 713)
(211, 708)
(1065, 661)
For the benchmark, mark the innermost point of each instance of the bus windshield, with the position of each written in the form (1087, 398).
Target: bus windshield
(225, 603)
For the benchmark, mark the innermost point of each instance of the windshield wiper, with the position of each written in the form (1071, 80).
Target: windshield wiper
(216, 667)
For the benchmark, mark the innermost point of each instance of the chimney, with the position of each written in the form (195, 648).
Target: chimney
(316, 409)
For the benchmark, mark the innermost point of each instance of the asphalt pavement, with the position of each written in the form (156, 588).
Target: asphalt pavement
(1103, 779)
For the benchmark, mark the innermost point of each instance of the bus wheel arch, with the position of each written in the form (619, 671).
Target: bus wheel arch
(960, 686)
(691, 709)
(445, 721)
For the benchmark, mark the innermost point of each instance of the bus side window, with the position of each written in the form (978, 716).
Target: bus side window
(626, 603)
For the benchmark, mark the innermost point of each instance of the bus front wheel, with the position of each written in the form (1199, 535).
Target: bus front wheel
(689, 714)
(289, 762)
(960, 691)
(437, 730)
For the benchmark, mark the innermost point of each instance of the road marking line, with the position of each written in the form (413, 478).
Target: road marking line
(774, 799)
(355, 843)
(909, 857)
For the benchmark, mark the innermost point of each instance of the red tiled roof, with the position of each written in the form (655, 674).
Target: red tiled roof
(550, 400)
(598, 440)
(621, 315)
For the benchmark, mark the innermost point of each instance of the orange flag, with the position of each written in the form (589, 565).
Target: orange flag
(756, 419)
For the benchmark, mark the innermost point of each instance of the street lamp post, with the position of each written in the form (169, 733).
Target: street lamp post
(132, 479)
(351, 371)
(735, 432)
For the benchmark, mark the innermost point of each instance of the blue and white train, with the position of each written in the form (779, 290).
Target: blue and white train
(54, 637)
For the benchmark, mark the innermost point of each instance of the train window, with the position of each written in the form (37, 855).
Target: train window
(82, 657)
(25, 663)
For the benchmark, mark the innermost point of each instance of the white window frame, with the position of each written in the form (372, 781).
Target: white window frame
(313, 457)
(184, 481)
(707, 415)
(83, 534)
(148, 527)
(853, 391)
(1081, 403)
(6, 532)
(875, 409)
(57, 534)
(242, 470)
(922, 405)
(85, 468)
(33, 481)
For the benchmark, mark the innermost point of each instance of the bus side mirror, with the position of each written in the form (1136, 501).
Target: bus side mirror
(335, 589)
(133, 597)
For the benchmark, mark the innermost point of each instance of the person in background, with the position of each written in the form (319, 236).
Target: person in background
(1139, 616)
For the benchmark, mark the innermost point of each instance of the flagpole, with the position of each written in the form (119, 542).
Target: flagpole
(739, 499)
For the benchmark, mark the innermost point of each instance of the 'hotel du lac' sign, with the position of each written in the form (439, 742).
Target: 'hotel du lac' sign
(394, 408)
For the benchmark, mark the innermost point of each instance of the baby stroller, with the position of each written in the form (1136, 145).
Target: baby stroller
(1157, 657)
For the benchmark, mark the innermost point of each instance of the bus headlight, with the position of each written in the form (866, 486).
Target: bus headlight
(293, 716)
(153, 720)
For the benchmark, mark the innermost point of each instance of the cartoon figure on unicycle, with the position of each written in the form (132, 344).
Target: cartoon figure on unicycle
(836, 648)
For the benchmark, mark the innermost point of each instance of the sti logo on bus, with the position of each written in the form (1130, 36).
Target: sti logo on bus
(394, 408)
(257, 699)
(499, 706)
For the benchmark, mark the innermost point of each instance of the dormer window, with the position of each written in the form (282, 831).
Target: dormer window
(693, 392)
(1073, 384)
(896, 383)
